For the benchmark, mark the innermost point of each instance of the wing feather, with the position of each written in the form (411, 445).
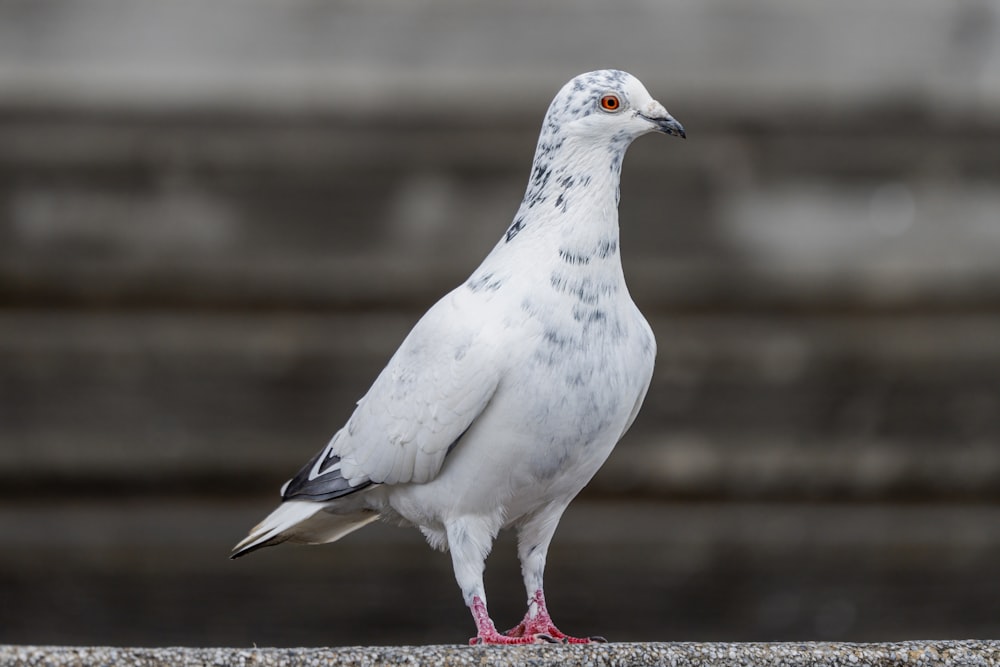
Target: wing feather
(436, 384)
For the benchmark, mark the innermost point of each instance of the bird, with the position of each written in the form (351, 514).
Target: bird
(509, 394)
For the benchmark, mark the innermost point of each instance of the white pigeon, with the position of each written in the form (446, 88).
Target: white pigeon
(510, 393)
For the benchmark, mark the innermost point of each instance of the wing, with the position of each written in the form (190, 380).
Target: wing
(438, 382)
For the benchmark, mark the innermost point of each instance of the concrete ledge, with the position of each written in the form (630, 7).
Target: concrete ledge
(918, 653)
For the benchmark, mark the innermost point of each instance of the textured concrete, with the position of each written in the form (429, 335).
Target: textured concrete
(922, 654)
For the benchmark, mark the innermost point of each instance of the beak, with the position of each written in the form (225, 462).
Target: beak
(666, 124)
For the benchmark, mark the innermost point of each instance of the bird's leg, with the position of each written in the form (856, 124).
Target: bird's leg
(469, 543)
(534, 537)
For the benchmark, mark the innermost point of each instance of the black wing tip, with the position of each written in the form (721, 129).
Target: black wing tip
(320, 489)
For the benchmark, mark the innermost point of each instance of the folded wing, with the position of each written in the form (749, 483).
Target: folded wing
(438, 382)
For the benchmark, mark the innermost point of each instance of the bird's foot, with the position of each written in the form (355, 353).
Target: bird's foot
(540, 623)
(536, 628)
(486, 632)
(498, 639)
(544, 628)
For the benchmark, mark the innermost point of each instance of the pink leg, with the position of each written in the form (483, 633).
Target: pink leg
(540, 623)
(486, 632)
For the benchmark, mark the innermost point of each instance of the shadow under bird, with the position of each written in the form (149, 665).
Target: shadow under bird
(512, 390)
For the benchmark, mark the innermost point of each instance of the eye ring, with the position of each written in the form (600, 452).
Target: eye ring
(611, 103)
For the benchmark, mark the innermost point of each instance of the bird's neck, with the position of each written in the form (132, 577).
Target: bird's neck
(569, 215)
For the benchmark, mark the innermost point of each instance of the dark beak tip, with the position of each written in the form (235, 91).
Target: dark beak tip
(673, 128)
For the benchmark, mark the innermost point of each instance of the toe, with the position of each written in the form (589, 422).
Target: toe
(517, 631)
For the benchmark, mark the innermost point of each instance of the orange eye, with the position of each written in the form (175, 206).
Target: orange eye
(610, 103)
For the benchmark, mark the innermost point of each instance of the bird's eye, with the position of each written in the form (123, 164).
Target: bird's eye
(611, 103)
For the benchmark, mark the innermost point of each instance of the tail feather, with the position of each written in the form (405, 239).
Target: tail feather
(303, 522)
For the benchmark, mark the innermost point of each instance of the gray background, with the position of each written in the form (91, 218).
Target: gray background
(218, 220)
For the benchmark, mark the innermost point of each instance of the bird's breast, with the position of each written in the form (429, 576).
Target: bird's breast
(586, 362)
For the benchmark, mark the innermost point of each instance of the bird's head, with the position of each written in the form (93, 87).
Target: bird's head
(608, 105)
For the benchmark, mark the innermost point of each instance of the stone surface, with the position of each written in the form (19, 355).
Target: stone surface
(903, 654)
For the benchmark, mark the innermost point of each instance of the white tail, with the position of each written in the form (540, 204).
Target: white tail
(303, 522)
